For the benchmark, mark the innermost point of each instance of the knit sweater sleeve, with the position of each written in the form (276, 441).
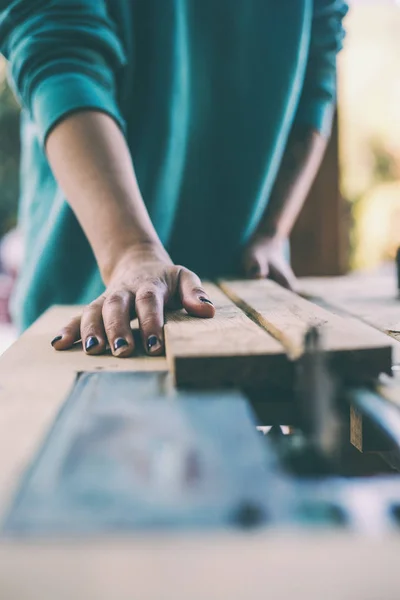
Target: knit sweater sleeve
(63, 56)
(318, 97)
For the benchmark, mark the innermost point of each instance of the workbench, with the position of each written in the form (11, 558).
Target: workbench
(40, 392)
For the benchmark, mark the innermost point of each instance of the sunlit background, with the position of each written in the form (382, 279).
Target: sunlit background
(369, 113)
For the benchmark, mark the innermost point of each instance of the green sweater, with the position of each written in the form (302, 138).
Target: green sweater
(206, 92)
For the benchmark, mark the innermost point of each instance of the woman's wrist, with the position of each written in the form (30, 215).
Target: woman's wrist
(140, 250)
(271, 230)
(92, 164)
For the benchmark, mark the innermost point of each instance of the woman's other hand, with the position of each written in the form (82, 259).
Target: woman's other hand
(265, 257)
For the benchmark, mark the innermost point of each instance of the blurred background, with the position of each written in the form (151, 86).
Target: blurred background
(352, 219)
(369, 126)
(10, 245)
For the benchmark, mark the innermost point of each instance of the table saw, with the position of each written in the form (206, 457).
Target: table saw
(173, 477)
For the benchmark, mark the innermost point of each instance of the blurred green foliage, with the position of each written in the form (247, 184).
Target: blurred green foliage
(384, 165)
(9, 154)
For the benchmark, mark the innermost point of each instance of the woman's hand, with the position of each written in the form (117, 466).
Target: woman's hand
(142, 284)
(265, 253)
(265, 257)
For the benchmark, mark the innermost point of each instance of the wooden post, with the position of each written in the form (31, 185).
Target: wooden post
(320, 239)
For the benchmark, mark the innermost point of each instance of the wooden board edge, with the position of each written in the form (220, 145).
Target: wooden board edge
(365, 436)
(227, 371)
(291, 349)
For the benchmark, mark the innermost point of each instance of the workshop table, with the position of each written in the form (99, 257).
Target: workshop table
(235, 563)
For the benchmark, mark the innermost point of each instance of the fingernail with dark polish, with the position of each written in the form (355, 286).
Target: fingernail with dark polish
(120, 343)
(205, 300)
(91, 342)
(56, 339)
(152, 341)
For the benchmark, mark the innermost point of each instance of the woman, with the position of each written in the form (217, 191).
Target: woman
(157, 133)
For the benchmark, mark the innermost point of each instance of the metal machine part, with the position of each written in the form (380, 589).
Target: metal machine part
(319, 426)
(129, 452)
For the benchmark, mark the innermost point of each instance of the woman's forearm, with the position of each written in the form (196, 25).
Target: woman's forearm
(91, 162)
(300, 165)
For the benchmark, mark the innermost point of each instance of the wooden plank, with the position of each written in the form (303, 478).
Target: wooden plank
(320, 238)
(364, 434)
(128, 453)
(369, 296)
(34, 382)
(227, 350)
(306, 565)
(373, 298)
(355, 350)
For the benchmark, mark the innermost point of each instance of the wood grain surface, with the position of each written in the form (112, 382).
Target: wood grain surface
(373, 298)
(370, 296)
(34, 382)
(356, 350)
(227, 350)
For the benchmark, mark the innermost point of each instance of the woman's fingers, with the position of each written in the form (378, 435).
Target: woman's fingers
(254, 267)
(193, 297)
(67, 336)
(149, 304)
(107, 319)
(93, 335)
(283, 275)
(116, 315)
